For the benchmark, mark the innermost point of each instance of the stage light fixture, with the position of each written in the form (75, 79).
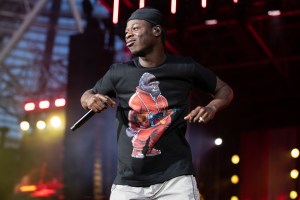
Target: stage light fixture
(44, 104)
(55, 121)
(29, 106)
(235, 159)
(60, 102)
(234, 179)
(211, 22)
(210, 12)
(234, 198)
(173, 6)
(274, 7)
(24, 125)
(218, 141)
(274, 13)
(41, 125)
(293, 194)
(295, 153)
(294, 174)
(142, 4)
(203, 3)
(116, 11)
(28, 188)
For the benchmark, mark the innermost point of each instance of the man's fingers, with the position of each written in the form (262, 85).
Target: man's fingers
(109, 101)
(191, 116)
(97, 107)
(105, 100)
(100, 102)
(201, 120)
(199, 115)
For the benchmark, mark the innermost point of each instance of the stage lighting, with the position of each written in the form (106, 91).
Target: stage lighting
(211, 22)
(234, 198)
(41, 125)
(234, 179)
(294, 174)
(49, 117)
(218, 141)
(274, 7)
(235, 159)
(295, 153)
(24, 125)
(55, 121)
(203, 3)
(116, 12)
(274, 13)
(28, 188)
(142, 4)
(29, 106)
(173, 6)
(210, 12)
(44, 104)
(60, 102)
(293, 194)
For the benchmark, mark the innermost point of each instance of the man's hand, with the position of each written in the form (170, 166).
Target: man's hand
(96, 102)
(223, 95)
(201, 114)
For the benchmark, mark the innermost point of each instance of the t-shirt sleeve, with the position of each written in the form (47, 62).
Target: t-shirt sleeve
(204, 78)
(105, 84)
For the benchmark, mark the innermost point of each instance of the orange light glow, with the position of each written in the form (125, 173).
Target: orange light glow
(28, 188)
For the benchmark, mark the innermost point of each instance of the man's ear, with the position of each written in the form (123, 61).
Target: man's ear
(157, 30)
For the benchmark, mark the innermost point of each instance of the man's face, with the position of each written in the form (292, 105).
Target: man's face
(139, 37)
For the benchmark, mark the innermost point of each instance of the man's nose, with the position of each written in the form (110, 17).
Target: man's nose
(128, 34)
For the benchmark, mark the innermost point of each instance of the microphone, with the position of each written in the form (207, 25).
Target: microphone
(83, 119)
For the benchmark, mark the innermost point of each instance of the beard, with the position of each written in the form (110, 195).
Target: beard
(140, 53)
(143, 52)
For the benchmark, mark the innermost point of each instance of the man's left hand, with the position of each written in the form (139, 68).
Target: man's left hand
(201, 114)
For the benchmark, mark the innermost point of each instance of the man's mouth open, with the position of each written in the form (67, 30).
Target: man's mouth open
(130, 43)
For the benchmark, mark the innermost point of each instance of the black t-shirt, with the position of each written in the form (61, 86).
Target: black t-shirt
(152, 147)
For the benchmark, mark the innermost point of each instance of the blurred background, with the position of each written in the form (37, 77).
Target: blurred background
(53, 50)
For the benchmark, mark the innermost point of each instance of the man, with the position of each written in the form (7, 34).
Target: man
(154, 158)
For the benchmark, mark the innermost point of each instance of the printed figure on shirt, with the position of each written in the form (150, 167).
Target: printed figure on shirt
(149, 117)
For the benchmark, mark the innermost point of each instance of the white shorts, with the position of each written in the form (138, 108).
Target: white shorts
(179, 188)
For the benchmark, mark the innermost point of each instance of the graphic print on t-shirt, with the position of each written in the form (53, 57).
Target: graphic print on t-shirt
(149, 117)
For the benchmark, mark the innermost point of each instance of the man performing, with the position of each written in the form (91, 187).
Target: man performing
(154, 158)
